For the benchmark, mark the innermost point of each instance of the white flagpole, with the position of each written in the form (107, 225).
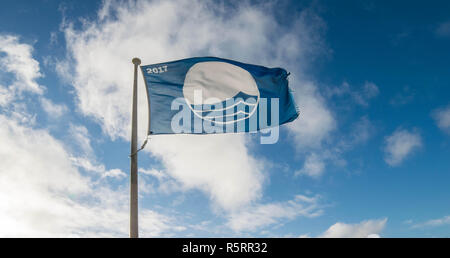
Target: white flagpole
(134, 229)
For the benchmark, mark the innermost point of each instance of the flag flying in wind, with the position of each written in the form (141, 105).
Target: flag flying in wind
(213, 95)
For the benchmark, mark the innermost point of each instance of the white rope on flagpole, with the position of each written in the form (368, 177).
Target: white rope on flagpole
(142, 147)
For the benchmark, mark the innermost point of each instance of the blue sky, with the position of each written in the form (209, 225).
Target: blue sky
(367, 157)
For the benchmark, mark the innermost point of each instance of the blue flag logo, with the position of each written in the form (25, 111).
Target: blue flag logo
(220, 82)
(214, 95)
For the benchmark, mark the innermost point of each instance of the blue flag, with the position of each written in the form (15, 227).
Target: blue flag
(213, 95)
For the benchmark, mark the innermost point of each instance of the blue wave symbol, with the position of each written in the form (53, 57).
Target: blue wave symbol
(239, 107)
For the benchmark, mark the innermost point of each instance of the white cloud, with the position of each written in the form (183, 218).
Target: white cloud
(17, 60)
(230, 176)
(93, 166)
(442, 118)
(166, 183)
(153, 172)
(315, 121)
(115, 172)
(368, 228)
(52, 109)
(42, 193)
(264, 215)
(314, 166)
(18, 73)
(5, 96)
(220, 166)
(19, 112)
(80, 135)
(400, 145)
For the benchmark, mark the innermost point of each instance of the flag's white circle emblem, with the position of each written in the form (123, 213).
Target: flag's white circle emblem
(212, 91)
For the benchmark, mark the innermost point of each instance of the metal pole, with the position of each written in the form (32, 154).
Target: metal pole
(134, 229)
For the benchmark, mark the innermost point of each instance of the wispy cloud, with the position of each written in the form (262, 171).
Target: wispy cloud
(443, 29)
(314, 166)
(166, 183)
(442, 118)
(400, 144)
(260, 216)
(81, 137)
(369, 91)
(315, 163)
(361, 132)
(314, 135)
(52, 109)
(361, 96)
(433, 223)
(92, 166)
(404, 97)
